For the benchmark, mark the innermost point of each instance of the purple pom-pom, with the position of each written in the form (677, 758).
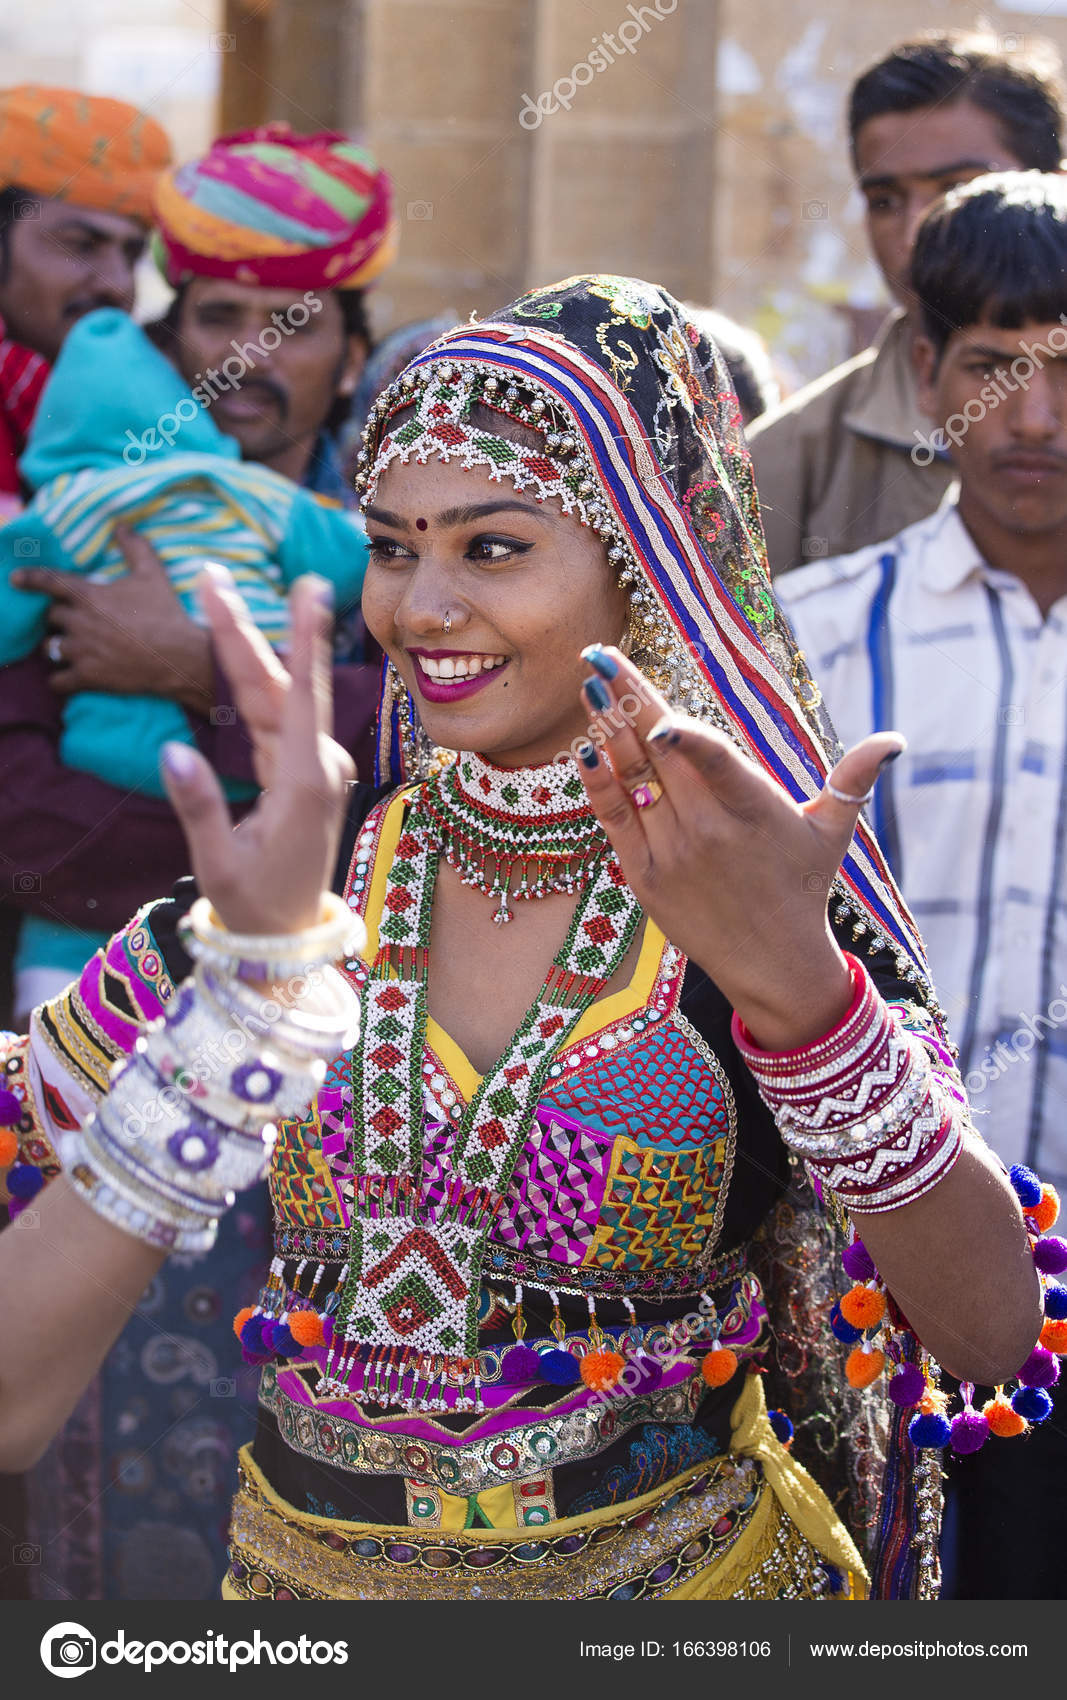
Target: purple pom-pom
(1041, 1369)
(520, 1366)
(284, 1340)
(1056, 1302)
(252, 1334)
(24, 1181)
(842, 1330)
(780, 1423)
(930, 1428)
(857, 1262)
(10, 1108)
(559, 1368)
(969, 1432)
(1033, 1403)
(647, 1368)
(908, 1385)
(1050, 1254)
(1026, 1184)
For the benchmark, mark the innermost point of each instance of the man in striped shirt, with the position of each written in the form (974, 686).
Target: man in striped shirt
(955, 633)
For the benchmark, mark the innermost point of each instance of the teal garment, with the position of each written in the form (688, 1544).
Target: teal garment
(96, 458)
(53, 944)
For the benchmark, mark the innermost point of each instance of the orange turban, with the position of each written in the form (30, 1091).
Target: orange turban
(82, 148)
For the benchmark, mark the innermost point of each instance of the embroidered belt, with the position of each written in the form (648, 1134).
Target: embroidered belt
(541, 1443)
(642, 1550)
(502, 1264)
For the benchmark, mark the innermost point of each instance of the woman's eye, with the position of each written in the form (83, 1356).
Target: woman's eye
(387, 549)
(496, 548)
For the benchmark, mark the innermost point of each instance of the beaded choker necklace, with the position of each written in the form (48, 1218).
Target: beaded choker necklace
(514, 832)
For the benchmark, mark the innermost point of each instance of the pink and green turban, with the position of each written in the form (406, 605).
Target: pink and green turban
(282, 211)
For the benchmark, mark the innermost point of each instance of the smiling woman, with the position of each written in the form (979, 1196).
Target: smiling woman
(549, 1215)
(521, 587)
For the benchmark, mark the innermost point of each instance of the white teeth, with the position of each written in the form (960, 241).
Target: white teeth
(459, 666)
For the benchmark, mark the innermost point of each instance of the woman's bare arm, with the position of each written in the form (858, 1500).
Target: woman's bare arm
(71, 1282)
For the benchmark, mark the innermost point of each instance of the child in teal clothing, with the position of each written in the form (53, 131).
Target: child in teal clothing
(98, 456)
(88, 462)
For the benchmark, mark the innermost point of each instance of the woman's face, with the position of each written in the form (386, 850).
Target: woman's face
(526, 588)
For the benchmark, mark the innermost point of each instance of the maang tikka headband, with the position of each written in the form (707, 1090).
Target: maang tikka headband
(438, 399)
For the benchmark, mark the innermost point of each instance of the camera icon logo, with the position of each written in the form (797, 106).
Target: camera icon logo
(68, 1650)
(223, 715)
(815, 209)
(28, 209)
(420, 209)
(26, 882)
(27, 549)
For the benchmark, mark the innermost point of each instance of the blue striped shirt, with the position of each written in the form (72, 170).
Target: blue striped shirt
(922, 635)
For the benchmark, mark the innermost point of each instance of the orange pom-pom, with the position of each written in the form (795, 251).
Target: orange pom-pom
(1054, 1336)
(306, 1327)
(241, 1318)
(9, 1147)
(1045, 1214)
(863, 1367)
(719, 1366)
(601, 1370)
(864, 1307)
(933, 1402)
(1001, 1418)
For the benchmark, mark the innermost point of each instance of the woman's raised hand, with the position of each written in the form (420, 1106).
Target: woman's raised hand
(269, 875)
(734, 871)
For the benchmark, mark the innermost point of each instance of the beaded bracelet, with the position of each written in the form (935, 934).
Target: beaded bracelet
(172, 1143)
(865, 1105)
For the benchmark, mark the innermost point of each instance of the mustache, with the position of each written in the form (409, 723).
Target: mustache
(265, 387)
(87, 304)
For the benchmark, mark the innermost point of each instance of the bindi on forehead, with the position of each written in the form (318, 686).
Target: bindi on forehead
(421, 524)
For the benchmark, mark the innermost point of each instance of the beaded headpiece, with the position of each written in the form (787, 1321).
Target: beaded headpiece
(642, 441)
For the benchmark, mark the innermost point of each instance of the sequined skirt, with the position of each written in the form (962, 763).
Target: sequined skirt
(749, 1525)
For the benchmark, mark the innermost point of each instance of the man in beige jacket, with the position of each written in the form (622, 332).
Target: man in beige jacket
(835, 467)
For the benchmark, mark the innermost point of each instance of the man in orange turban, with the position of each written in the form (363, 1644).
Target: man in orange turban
(77, 173)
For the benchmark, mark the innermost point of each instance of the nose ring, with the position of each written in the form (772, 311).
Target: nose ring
(447, 622)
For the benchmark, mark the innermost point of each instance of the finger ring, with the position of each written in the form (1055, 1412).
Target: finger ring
(54, 648)
(843, 796)
(643, 796)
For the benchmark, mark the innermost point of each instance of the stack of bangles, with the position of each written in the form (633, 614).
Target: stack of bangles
(867, 1105)
(187, 1121)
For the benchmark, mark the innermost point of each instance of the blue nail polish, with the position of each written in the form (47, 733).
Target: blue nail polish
(587, 755)
(597, 694)
(891, 757)
(598, 657)
(664, 734)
